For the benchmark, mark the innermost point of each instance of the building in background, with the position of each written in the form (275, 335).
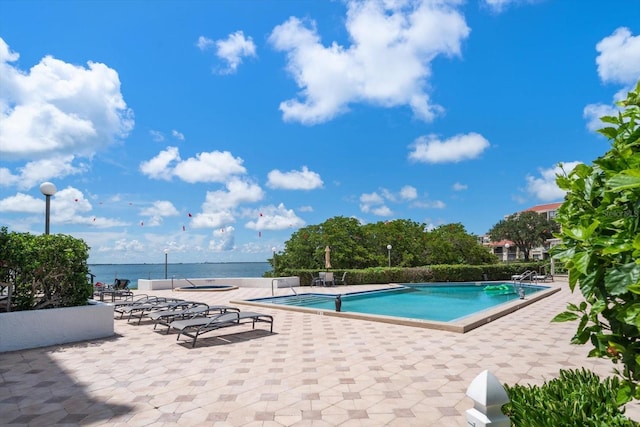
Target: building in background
(507, 251)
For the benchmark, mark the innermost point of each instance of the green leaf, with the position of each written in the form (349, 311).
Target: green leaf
(626, 179)
(581, 262)
(609, 132)
(565, 316)
(618, 280)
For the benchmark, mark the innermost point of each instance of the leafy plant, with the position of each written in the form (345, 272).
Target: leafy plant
(600, 235)
(44, 271)
(526, 230)
(576, 398)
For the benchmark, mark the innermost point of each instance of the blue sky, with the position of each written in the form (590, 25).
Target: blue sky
(215, 129)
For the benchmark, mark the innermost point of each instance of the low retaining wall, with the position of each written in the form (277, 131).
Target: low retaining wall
(241, 282)
(20, 330)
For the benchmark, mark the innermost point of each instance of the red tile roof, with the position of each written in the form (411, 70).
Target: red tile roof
(545, 208)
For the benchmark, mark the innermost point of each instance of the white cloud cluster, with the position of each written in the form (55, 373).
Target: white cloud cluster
(430, 149)
(57, 109)
(274, 218)
(214, 166)
(387, 67)
(376, 202)
(157, 211)
(232, 50)
(500, 5)
(544, 187)
(618, 63)
(294, 180)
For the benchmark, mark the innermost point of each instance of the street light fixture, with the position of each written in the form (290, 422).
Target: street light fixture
(48, 189)
(389, 252)
(166, 258)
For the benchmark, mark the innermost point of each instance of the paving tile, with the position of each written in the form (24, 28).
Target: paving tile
(312, 371)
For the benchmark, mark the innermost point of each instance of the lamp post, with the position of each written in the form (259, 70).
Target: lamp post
(389, 253)
(506, 247)
(48, 189)
(166, 258)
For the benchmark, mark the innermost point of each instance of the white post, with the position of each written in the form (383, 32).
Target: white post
(488, 396)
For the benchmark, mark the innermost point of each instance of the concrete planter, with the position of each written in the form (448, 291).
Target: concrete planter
(39, 328)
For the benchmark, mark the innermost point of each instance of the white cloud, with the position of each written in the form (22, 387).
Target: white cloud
(177, 135)
(22, 203)
(160, 207)
(375, 204)
(160, 167)
(500, 5)
(618, 62)
(59, 109)
(232, 50)
(274, 218)
(223, 240)
(429, 149)
(429, 204)
(294, 180)
(214, 166)
(544, 187)
(218, 207)
(35, 172)
(382, 211)
(459, 187)
(157, 136)
(205, 43)
(619, 57)
(387, 67)
(408, 192)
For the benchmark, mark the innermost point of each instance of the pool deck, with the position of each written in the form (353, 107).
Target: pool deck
(314, 370)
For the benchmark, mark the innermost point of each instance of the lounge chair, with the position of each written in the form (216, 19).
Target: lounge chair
(148, 304)
(196, 309)
(196, 326)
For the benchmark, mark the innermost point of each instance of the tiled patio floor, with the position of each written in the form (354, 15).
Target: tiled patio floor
(312, 371)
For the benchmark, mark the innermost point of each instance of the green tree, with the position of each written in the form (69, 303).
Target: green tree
(600, 235)
(451, 244)
(355, 246)
(526, 230)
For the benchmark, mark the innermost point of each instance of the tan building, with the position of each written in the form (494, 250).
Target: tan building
(507, 251)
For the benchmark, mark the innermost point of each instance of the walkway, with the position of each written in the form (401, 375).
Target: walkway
(312, 371)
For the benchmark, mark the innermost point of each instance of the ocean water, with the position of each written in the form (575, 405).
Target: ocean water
(106, 273)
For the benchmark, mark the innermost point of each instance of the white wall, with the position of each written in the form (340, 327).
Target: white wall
(241, 282)
(39, 328)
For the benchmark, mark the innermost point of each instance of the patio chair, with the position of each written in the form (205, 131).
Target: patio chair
(196, 326)
(326, 278)
(196, 309)
(342, 280)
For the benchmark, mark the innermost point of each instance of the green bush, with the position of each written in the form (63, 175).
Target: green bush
(577, 398)
(429, 273)
(44, 271)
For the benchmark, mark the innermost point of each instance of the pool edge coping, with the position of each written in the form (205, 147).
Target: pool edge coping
(462, 325)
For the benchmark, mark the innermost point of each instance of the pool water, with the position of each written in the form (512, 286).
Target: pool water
(444, 303)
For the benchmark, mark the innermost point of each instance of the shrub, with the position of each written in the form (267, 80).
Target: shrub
(44, 271)
(577, 398)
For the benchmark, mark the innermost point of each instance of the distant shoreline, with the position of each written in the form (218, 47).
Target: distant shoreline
(180, 263)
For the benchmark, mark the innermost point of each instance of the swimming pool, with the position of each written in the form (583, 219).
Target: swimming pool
(458, 307)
